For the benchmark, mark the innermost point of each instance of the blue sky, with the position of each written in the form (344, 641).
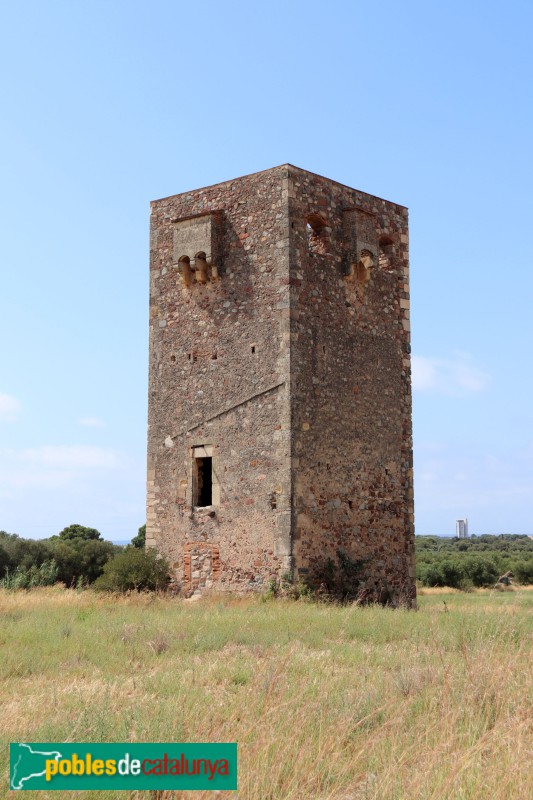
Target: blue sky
(106, 106)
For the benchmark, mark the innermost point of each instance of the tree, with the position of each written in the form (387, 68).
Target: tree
(78, 553)
(140, 540)
(79, 532)
(4, 561)
(23, 553)
(81, 559)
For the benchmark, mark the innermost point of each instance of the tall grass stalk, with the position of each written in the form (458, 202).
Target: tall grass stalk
(325, 702)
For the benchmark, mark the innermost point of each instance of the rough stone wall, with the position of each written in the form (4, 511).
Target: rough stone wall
(351, 383)
(219, 370)
(279, 346)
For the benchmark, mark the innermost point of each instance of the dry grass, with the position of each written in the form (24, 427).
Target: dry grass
(326, 703)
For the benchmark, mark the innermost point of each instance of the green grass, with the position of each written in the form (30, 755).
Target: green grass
(325, 702)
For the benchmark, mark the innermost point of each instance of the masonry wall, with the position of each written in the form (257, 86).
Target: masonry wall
(219, 378)
(279, 348)
(350, 383)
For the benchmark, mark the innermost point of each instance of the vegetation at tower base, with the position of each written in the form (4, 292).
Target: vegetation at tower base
(338, 579)
(476, 561)
(80, 560)
(135, 570)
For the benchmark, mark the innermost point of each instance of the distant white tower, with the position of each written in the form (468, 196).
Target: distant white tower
(461, 528)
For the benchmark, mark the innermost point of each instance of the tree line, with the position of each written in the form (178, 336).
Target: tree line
(79, 557)
(473, 562)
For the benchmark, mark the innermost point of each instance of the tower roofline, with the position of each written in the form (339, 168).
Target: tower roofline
(288, 166)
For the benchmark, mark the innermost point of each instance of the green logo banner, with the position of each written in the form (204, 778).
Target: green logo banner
(119, 766)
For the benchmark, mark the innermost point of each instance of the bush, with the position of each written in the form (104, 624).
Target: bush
(523, 571)
(442, 573)
(483, 570)
(339, 580)
(134, 569)
(460, 571)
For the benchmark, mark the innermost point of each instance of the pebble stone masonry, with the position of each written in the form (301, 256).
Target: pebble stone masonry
(280, 384)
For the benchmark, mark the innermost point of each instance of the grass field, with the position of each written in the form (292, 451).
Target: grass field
(325, 702)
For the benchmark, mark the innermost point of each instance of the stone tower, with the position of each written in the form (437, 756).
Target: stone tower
(280, 390)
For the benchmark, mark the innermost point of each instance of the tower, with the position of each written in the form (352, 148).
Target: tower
(279, 392)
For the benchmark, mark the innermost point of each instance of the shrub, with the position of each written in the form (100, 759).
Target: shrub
(482, 570)
(443, 573)
(339, 581)
(134, 569)
(523, 571)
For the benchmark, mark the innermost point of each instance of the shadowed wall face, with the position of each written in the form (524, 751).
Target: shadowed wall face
(351, 385)
(280, 409)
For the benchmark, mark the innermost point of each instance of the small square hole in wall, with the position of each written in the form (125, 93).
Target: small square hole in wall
(253, 348)
(173, 359)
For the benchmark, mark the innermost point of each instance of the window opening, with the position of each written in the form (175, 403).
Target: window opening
(316, 234)
(386, 252)
(204, 481)
(253, 348)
